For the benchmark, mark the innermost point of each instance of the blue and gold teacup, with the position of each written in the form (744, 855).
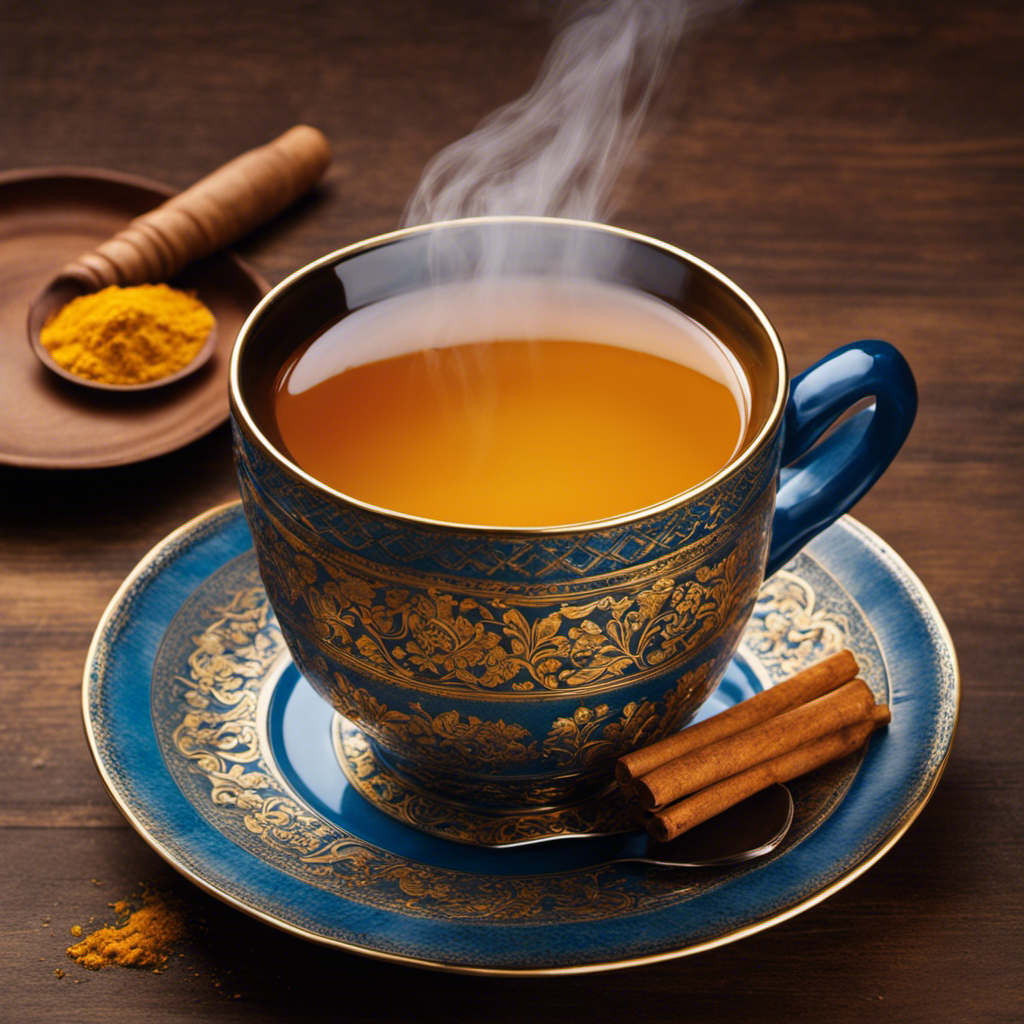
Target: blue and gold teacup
(497, 674)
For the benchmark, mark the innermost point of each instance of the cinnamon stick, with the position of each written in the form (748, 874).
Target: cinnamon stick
(800, 688)
(733, 754)
(676, 819)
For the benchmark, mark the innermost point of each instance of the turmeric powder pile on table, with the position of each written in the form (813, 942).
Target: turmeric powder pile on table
(140, 938)
(128, 336)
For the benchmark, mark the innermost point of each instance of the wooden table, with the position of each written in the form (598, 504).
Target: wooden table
(856, 166)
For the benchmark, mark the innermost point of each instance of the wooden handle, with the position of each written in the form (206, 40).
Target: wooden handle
(213, 213)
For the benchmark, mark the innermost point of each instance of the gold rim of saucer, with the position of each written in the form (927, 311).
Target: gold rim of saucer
(604, 813)
(737, 463)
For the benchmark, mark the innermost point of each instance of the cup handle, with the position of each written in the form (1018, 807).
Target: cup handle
(819, 482)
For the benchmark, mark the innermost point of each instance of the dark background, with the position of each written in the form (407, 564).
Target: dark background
(856, 166)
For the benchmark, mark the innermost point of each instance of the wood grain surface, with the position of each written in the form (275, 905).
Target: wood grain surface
(856, 165)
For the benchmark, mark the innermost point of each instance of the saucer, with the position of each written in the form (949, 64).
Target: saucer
(234, 776)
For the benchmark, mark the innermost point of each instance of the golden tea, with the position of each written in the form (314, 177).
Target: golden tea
(519, 430)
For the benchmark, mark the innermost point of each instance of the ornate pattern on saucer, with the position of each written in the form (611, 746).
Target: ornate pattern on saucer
(237, 779)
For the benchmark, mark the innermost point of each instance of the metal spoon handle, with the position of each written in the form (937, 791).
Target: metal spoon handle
(744, 831)
(213, 213)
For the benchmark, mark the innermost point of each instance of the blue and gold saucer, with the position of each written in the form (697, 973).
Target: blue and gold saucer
(247, 783)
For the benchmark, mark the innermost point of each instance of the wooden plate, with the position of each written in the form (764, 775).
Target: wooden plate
(47, 217)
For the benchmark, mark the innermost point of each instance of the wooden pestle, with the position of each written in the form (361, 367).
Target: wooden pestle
(213, 213)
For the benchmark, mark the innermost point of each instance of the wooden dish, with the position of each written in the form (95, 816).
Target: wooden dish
(48, 216)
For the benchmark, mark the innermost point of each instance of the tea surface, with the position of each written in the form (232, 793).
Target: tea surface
(511, 433)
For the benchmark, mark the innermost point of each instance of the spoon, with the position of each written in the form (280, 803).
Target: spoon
(746, 831)
(750, 829)
(213, 213)
(58, 294)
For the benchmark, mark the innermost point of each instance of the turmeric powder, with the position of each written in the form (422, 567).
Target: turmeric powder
(139, 938)
(128, 335)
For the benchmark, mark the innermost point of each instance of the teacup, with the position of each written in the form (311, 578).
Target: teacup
(543, 654)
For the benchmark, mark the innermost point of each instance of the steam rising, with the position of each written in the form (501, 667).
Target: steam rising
(559, 150)
(556, 152)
